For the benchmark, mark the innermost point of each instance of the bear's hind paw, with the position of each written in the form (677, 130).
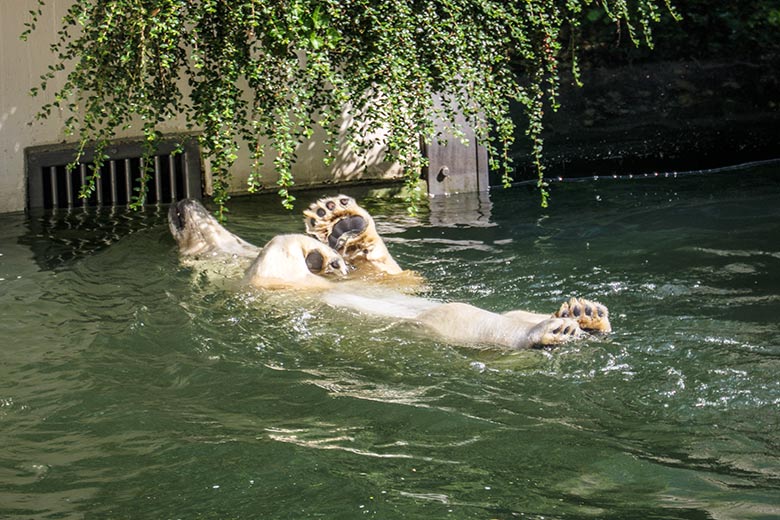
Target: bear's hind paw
(554, 331)
(589, 315)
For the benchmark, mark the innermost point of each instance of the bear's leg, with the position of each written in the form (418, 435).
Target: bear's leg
(466, 324)
(589, 315)
(295, 262)
(349, 229)
(526, 317)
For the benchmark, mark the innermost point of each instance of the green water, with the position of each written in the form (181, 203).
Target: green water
(130, 389)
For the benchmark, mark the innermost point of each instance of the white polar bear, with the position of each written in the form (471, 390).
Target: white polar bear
(346, 237)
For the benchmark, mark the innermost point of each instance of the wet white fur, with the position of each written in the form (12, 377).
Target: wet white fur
(281, 264)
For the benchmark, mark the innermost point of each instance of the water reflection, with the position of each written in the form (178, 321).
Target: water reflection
(464, 209)
(59, 236)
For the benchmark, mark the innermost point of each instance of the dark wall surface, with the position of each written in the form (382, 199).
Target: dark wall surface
(707, 95)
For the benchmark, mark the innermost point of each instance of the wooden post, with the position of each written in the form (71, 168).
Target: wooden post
(455, 167)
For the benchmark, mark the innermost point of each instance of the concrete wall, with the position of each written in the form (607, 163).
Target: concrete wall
(20, 67)
(22, 64)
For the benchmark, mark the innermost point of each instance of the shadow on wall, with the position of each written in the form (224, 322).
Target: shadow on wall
(310, 170)
(348, 165)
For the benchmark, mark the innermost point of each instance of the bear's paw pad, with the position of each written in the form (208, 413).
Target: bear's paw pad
(589, 315)
(337, 221)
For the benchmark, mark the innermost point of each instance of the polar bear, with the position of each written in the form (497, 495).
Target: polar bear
(345, 260)
(286, 262)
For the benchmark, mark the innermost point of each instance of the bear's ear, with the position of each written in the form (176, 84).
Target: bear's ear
(315, 262)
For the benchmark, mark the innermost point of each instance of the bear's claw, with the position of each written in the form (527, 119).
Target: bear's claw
(589, 315)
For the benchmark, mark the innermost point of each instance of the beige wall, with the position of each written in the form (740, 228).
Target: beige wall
(21, 65)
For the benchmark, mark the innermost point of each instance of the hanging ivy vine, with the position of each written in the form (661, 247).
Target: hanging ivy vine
(265, 73)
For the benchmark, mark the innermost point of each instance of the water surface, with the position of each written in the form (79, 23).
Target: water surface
(132, 388)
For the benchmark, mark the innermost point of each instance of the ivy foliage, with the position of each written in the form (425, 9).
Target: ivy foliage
(266, 73)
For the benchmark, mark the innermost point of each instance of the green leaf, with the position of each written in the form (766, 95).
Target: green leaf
(234, 70)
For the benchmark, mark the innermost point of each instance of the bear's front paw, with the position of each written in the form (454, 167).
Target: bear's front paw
(589, 315)
(554, 331)
(349, 229)
(337, 221)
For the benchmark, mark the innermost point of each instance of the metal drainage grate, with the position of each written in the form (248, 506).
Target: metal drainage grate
(173, 175)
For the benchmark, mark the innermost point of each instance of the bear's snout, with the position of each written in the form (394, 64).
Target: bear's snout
(176, 214)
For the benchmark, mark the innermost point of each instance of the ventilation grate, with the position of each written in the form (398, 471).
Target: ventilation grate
(173, 175)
